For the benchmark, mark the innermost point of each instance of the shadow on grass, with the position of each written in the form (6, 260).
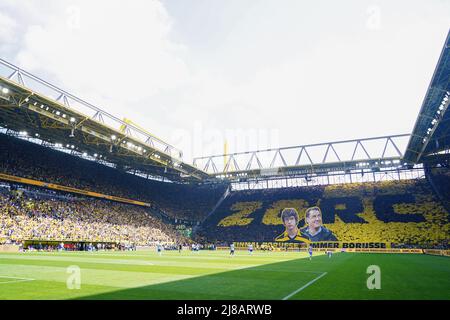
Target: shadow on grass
(269, 281)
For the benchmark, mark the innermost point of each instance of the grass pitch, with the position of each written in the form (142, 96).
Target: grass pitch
(214, 275)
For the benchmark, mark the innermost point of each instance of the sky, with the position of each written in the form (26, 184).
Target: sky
(257, 74)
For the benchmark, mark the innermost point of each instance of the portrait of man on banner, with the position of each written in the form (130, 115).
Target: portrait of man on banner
(315, 230)
(291, 234)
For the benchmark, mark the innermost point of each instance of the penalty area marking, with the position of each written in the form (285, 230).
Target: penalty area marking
(14, 279)
(305, 286)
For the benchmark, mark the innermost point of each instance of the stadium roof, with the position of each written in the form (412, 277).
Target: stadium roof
(368, 154)
(431, 134)
(75, 125)
(30, 106)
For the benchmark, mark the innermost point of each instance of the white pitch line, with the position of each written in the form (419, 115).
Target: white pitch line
(306, 285)
(14, 281)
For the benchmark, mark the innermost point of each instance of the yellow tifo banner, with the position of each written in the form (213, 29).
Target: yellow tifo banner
(321, 246)
(9, 248)
(350, 245)
(437, 252)
(70, 189)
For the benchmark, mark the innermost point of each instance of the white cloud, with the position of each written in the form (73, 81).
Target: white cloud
(308, 74)
(106, 49)
(7, 32)
(7, 26)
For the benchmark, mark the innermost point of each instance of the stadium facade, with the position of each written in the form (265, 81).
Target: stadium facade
(368, 189)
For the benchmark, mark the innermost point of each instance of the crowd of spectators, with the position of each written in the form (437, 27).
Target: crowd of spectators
(29, 160)
(32, 216)
(440, 177)
(404, 212)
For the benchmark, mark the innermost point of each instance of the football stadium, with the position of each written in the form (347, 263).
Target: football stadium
(94, 206)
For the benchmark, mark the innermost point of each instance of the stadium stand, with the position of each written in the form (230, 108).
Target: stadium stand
(404, 213)
(439, 179)
(48, 216)
(29, 160)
